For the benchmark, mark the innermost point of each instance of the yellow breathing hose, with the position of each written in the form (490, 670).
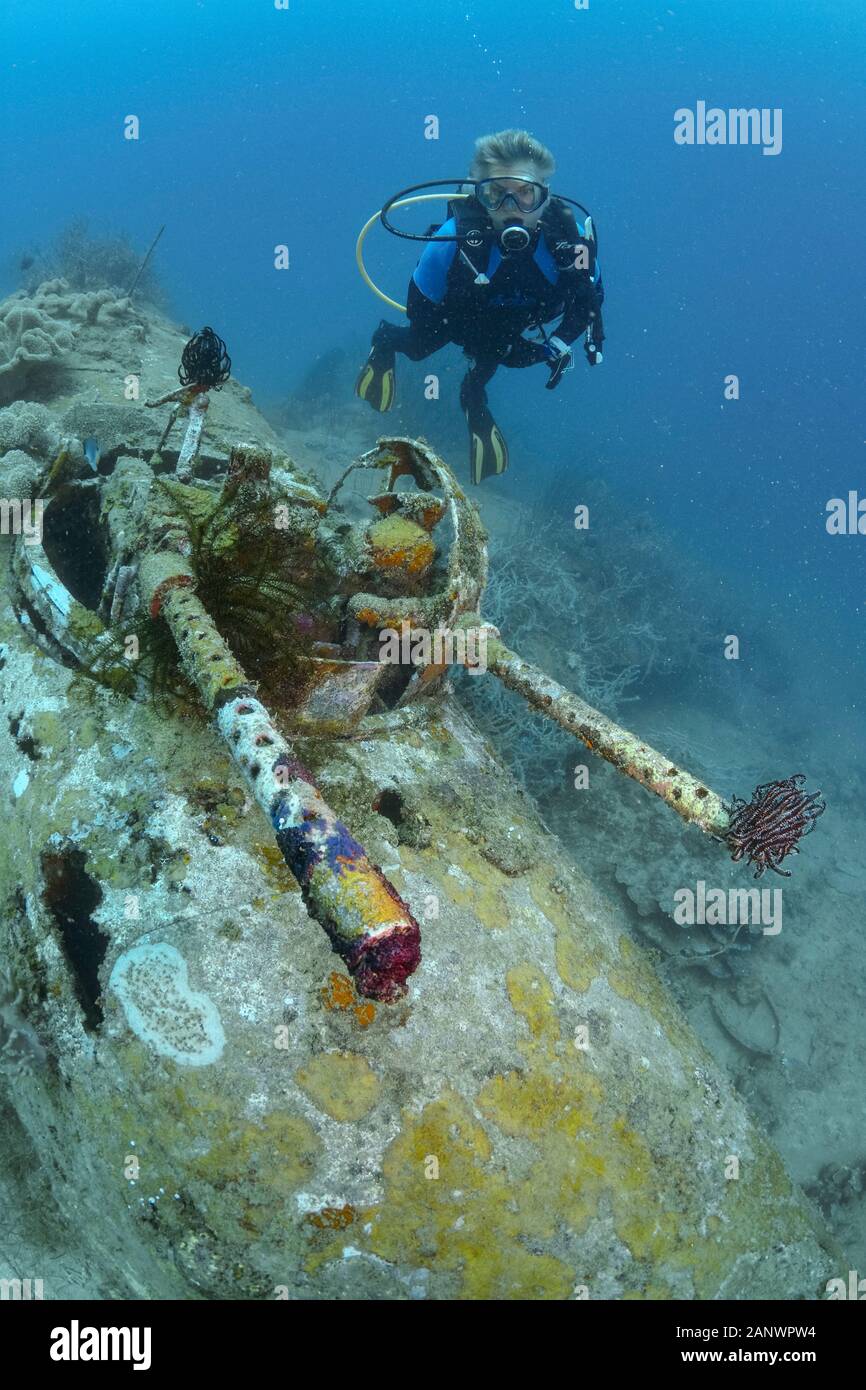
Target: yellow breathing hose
(359, 247)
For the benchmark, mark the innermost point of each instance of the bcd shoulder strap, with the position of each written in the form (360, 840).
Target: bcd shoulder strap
(564, 238)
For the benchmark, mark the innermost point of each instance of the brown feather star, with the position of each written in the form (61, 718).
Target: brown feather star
(766, 829)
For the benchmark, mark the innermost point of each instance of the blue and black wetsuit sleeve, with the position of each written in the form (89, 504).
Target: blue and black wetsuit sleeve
(431, 273)
(584, 298)
(427, 300)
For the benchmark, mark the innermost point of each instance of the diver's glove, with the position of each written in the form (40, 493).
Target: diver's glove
(559, 359)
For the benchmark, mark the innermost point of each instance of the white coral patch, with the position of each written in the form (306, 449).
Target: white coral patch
(161, 1009)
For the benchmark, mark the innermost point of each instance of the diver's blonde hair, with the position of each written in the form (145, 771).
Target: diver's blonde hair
(510, 147)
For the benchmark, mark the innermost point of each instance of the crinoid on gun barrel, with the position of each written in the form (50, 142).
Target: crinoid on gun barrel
(767, 829)
(257, 587)
(254, 589)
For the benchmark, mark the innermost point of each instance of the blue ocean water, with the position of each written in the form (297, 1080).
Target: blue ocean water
(262, 126)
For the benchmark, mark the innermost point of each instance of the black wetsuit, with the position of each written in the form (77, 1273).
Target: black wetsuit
(525, 289)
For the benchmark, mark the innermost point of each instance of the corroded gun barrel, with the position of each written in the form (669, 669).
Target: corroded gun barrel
(368, 922)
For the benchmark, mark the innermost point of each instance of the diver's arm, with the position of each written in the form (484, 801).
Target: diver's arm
(423, 313)
(430, 276)
(582, 313)
(427, 302)
(583, 304)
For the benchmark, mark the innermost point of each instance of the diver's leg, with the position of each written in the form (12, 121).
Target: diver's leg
(377, 382)
(427, 331)
(488, 452)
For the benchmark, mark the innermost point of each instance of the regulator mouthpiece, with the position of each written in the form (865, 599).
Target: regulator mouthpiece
(514, 237)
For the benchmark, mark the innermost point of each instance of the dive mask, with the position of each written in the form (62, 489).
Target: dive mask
(524, 194)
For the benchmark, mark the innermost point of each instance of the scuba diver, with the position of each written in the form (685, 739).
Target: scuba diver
(510, 257)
